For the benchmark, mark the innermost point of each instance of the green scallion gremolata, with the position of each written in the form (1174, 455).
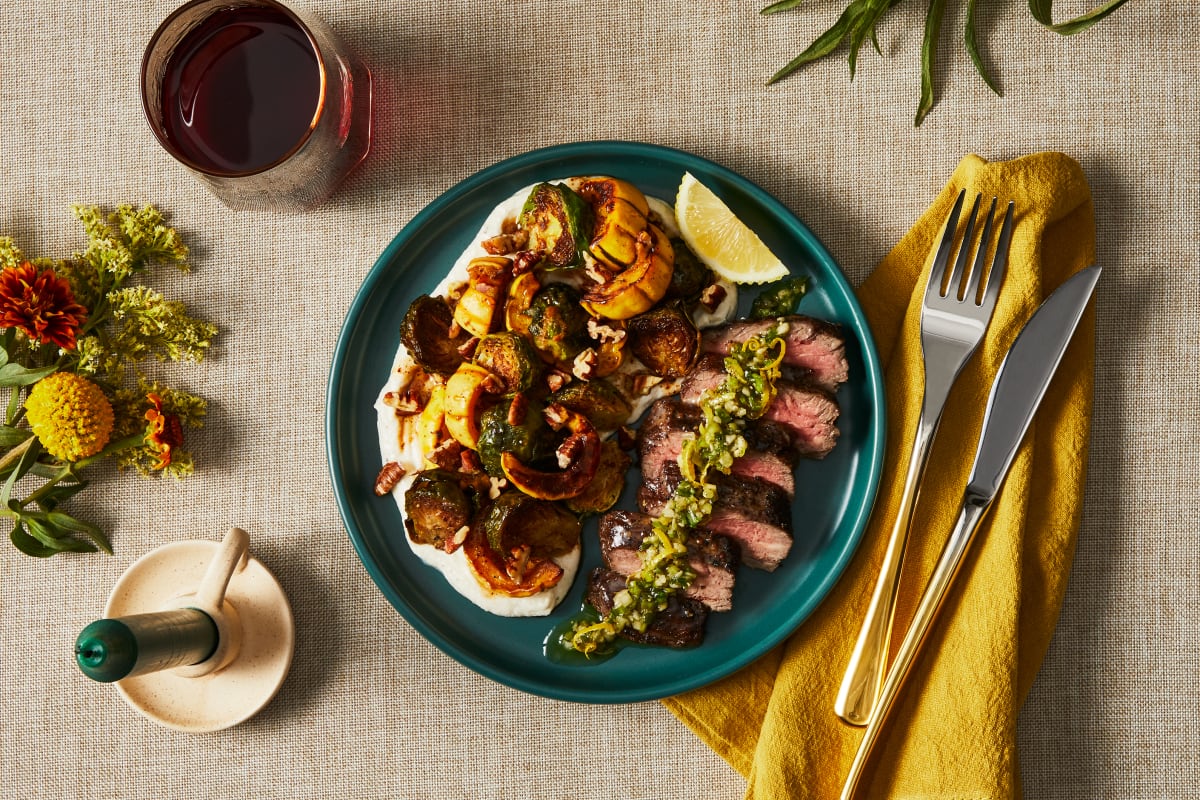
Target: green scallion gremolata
(752, 369)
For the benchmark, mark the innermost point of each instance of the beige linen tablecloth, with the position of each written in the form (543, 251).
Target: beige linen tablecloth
(370, 708)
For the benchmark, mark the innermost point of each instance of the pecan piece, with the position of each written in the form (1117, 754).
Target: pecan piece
(446, 455)
(585, 363)
(712, 296)
(388, 477)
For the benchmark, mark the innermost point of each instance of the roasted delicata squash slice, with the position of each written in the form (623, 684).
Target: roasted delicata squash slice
(467, 392)
(520, 297)
(605, 489)
(578, 455)
(620, 212)
(431, 419)
(641, 286)
(480, 308)
(512, 540)
(558, 223)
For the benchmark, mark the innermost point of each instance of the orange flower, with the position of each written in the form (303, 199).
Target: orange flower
(41, 304)
(164, 431)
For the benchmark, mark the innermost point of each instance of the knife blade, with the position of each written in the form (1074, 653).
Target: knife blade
(1023, 378)
(1016, 393)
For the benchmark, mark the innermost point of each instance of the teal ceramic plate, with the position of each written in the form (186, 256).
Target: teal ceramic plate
(833, 499)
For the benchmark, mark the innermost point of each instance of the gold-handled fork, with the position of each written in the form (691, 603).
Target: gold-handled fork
(954, 315)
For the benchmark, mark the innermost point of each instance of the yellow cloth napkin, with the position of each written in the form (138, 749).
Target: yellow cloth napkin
(953, 731)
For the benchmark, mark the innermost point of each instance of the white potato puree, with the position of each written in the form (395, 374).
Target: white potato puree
(408, 454)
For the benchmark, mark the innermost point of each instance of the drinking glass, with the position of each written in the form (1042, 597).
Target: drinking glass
(267, 106)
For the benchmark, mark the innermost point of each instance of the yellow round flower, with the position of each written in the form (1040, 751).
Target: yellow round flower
(70, 416)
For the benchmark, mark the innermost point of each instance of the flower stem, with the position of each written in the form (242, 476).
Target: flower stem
(15, 453)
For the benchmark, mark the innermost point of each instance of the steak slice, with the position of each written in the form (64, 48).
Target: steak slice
(713, 557)
(750, 511)
(814, 347)
(809, 413)
(771, 456)
(680, 624)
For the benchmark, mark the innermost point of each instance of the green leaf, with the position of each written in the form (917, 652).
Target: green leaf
(28, 459)
(69, 523)
(782, 5)
(16, 375)
(864, 27)
(10, 435)
(824, 44)
(55, 538)
(973, 49)
(51, 497)
(1042, 12)
(933, 27)
(14, 405)
(27, 544)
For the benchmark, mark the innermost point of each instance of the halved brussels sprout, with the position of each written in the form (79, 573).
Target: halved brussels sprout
(511, 358)
(557, 323)
(666, 340)
(425, 333)
(598, 400)
(559, 224)
(435, 508)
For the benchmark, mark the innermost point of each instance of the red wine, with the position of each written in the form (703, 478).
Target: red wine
(240, 90)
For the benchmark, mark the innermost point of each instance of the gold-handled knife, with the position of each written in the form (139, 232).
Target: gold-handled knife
(1016, 394)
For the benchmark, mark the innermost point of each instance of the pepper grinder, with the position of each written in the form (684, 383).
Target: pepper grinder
(199, 660)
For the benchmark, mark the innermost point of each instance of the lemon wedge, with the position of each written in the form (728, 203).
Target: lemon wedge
(720, 239)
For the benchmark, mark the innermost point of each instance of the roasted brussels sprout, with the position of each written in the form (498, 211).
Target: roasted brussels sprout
(559, 224)
(511, 358)
(514, 519)
(690, 276)
(435, 509)
(665, 340)
(557, 323)
(425, 332)
(598, 400)
(605, 489)
(530, 439)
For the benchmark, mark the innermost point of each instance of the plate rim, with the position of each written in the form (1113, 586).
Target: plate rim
(610, 148)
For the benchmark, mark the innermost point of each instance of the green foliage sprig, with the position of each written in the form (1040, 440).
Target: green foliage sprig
(74, 340)
(859, 20)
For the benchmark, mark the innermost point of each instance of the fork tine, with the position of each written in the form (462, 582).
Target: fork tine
(985, 238)
(964, 254)
(938, 271)
(1000, 262)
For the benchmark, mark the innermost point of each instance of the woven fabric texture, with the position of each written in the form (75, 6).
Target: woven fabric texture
(370, 709)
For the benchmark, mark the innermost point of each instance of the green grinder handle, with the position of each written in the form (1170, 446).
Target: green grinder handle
(112, 649)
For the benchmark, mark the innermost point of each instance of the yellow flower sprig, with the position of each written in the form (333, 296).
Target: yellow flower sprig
(74, 339)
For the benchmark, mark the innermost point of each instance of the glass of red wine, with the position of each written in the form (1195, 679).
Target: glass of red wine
(267, 106)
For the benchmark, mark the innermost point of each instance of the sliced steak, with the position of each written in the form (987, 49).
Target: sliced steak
(714, 558)
(810, 413)
(680, 624)
(750, 511)
(814, 347)
(771, 456)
